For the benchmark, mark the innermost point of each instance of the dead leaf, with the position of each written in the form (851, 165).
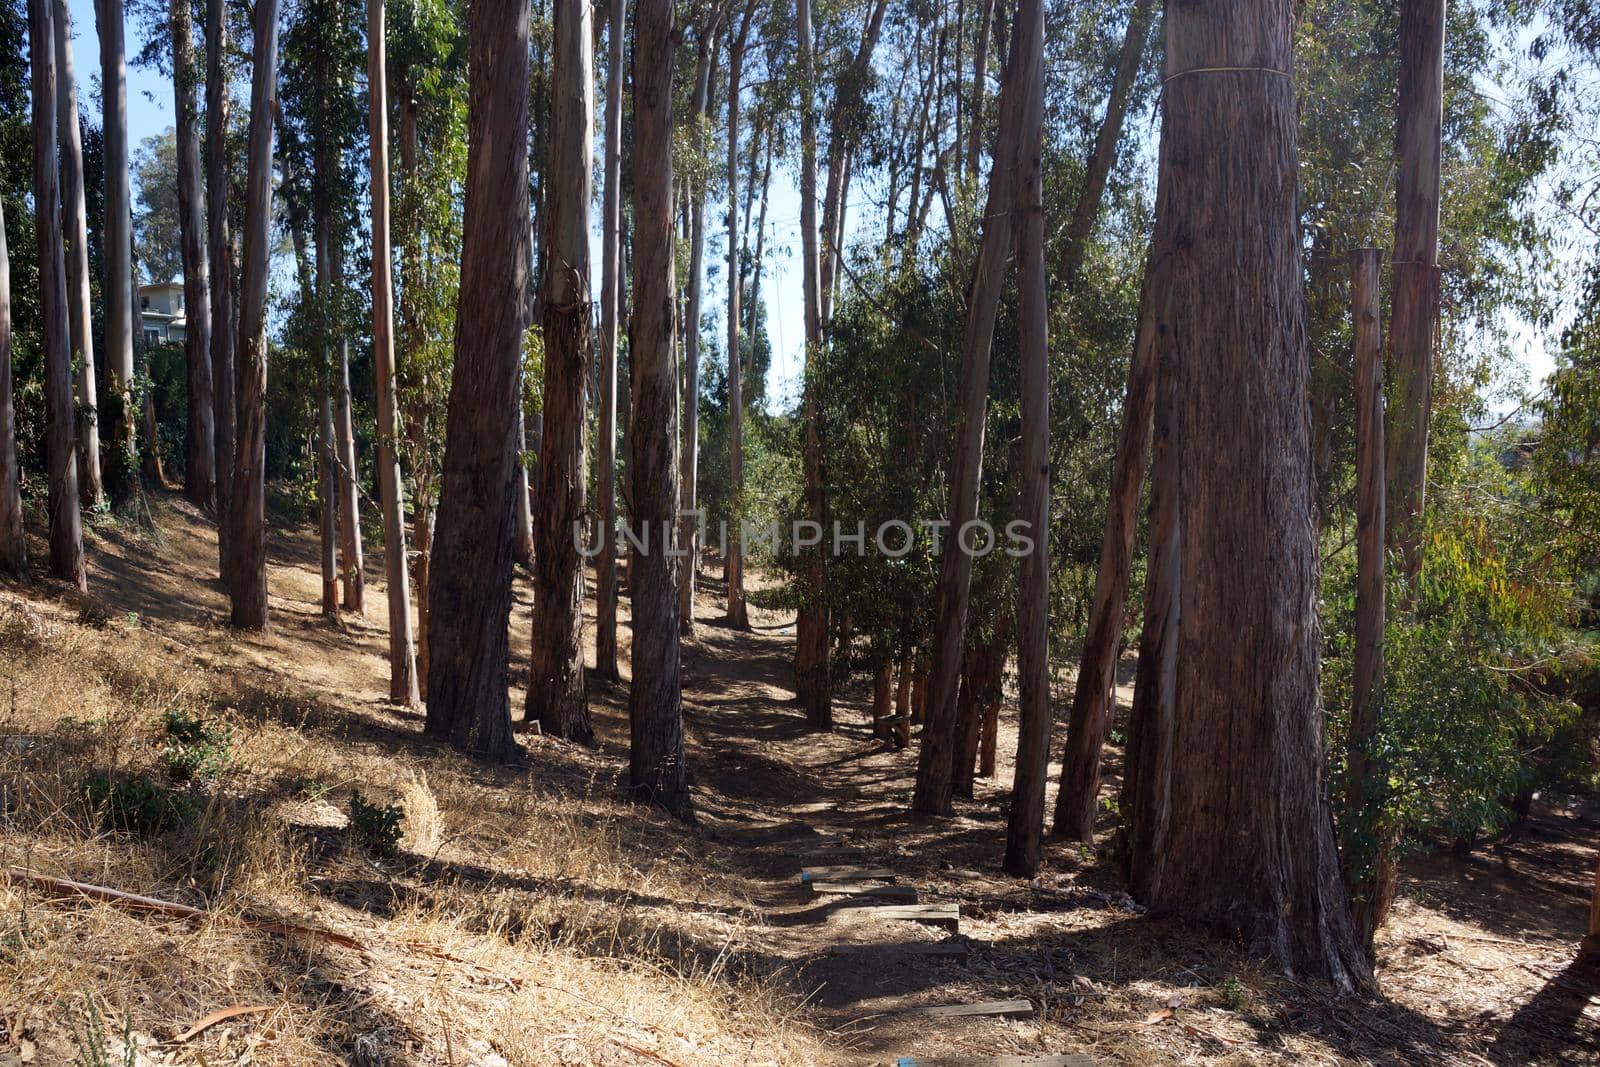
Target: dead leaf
(1157, 1016)
(232, 1011)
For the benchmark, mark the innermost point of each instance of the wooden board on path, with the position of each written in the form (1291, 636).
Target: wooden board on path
(1011, 1009)
(846, 873)
(937, 914)
(958, 950)
(881, 892)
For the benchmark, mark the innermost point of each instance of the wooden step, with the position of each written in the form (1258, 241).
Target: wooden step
(846, 873)
(1076, 1059)
(1011, 1009)
(884, 892)
(943, 949)
(936, 914)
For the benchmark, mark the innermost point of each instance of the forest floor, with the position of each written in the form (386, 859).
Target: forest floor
(532, 916)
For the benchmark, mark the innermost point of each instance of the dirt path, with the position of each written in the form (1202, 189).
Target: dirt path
(1476, 967)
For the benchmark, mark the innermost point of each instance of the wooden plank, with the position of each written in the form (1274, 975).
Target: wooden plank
(937, 914)
(1007, 1008)
(885, 892)
(846, 873)
(1076, 1059)
(945, 949)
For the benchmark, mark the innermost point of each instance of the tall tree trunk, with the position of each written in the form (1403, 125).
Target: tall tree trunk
(200, 472)
(556, 698)
(605, 658)
(118, 252)
(220, 264)
(936, 760)
(1368, 846)
(1249, 843)
(75, 222)
(66, 531)
(352, 563)
(247, 516)
(469, 595)
(1078, 797)
(738, 612)
(522, 495)
(656, 770)
(402, 657)
(814, 683)
(980, 74)
(1109, 136)
(1025, 825)
(13, 536)
(1414, 324)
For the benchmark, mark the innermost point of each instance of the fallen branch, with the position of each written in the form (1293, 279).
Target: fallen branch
(65, 887)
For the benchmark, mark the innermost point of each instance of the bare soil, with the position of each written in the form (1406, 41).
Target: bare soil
(534, 916)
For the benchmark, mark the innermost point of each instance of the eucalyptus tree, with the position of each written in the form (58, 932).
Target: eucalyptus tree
(66, 531)
(199, 474)
(117, 285)
(470, 590)
(738, 613)
(556, 698)
(13, 535)
(219, 256)
(605, 665)
(247, 584)
(76, 225)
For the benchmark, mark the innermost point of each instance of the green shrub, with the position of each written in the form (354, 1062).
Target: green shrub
(376, 829)
(192, 749)
(138, 806)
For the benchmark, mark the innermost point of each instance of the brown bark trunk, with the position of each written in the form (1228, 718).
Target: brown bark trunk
(423, 536)
(1025, 826)
(605, 659)
(902, 698)
(13, 536)
(1092, 699)
(402, 661)
(556, 697)
(1092, 192)
(200, 473)
(1414, 323)
(936, 760)
(149, 431)
(813, 681)
(75, 223)
(1368, 849)
(656, 771)
(469, 595)
(66, 531)
(118, 251)
(733, 572)
(1249, 842)
(220, 271)
(352, 562)
(247, 516)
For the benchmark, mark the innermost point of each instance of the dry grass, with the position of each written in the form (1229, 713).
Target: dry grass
(530, 917)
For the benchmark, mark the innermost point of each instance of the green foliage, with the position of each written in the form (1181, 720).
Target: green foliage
(193, 749)
(374, 828)
(138, 806)
(94, 1048)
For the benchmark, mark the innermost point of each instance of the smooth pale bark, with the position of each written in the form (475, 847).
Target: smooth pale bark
(117, 253)
(220, 262)
(936, 759)
(352, 556)
(13, 537)
(656, 771)
(980, 74)
(247, 512)
(470, 589)
(738, 612)
(1249, 842)
(556, 699)
(61, 461)
(1025, 823)
(521, 497)
(200, 472)
(76, 225)
(1134, 41)
(813, 681)
(1078, 798)
(1414, 320)
(605, 657)
(1369, 847)
(402, 654)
